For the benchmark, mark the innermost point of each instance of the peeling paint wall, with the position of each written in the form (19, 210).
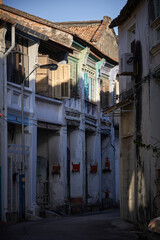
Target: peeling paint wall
(138, 167)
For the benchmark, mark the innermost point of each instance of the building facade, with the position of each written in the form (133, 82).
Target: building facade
(67, 155)
(139, 54)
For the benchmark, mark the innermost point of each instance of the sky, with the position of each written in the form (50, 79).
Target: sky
(69, 10)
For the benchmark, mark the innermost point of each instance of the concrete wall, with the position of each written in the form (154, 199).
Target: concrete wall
(93, 155)
(76, 147)
(138, 167)
(108, 44)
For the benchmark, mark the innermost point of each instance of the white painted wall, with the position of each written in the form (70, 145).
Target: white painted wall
(76, 138)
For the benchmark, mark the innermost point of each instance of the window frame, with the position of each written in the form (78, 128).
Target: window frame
(17, 59)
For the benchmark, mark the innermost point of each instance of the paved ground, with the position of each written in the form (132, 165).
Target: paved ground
(103, 226)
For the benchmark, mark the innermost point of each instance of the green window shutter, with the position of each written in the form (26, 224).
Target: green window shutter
(73, 76)
(92, 89)
(86, 86)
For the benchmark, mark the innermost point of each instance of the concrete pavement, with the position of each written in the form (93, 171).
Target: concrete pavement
(100, 226)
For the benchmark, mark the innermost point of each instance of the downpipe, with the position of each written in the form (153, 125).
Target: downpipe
(4, 129)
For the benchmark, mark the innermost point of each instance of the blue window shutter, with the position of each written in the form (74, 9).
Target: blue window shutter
(86, 85)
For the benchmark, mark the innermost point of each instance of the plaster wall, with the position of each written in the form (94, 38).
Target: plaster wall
(127, 35)
(76, 146)
(108, 181)
(58, 155)
(46, 109)
(52, 147)
(108, 44)
(93, 154)
(137, 165)
(117, 177)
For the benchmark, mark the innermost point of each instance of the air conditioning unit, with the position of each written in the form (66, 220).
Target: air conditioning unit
(127, 64)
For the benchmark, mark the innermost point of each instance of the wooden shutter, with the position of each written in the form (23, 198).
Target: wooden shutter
(61, 81)
(106, 98)
(56, 77)
(104, 92)
(42, 75)
(73, 76)
(66, 81)
(26, 69)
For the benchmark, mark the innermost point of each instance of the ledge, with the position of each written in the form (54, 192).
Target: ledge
(46, 99)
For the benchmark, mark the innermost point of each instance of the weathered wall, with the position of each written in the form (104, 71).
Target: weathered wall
(108, 44)
(93, 154)
(76, 146)
(138, 167)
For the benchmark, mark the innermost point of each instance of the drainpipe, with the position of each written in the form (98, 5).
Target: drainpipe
(12, 41)
(4, 129)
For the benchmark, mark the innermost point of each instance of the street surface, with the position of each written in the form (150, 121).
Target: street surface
(101, 226)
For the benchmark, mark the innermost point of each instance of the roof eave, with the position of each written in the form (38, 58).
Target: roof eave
(96, 50)
(125, 13)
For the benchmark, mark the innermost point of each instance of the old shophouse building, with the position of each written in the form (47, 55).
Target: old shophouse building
(139, 54)
(70, 150)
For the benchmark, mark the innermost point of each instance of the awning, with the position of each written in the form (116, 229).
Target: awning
(118, 105)
(11, 118)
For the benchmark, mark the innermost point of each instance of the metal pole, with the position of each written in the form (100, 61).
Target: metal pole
(22, 115)
(22, 175)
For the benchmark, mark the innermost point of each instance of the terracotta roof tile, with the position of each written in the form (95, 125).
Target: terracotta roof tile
(85, 32)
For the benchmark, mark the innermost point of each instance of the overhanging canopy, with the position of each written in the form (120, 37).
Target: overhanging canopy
(118, 105)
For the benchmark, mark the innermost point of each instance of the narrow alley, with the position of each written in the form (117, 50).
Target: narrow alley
(95, 226)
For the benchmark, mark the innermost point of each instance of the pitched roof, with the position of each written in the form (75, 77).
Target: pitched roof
(8, 14)
(28, 16)
(90, 31)
(125, 13)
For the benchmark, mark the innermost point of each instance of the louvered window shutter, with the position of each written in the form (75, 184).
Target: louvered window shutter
(66, 81)
(61, 81)
(73, 76)
(42, 75)
(101, 93)
(92, 90)
(26, 69)
(86, 86)
(106, 98)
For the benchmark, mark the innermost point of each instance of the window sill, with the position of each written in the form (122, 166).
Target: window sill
(42, 98)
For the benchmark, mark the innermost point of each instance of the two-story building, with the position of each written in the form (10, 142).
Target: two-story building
(56, 148)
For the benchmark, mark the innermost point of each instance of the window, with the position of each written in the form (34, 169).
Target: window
(157, 8)
(17, 60)
(54, 84)
(104, 94)
(61, 81)
(73, 76)
(158, 33)
(89, 87)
